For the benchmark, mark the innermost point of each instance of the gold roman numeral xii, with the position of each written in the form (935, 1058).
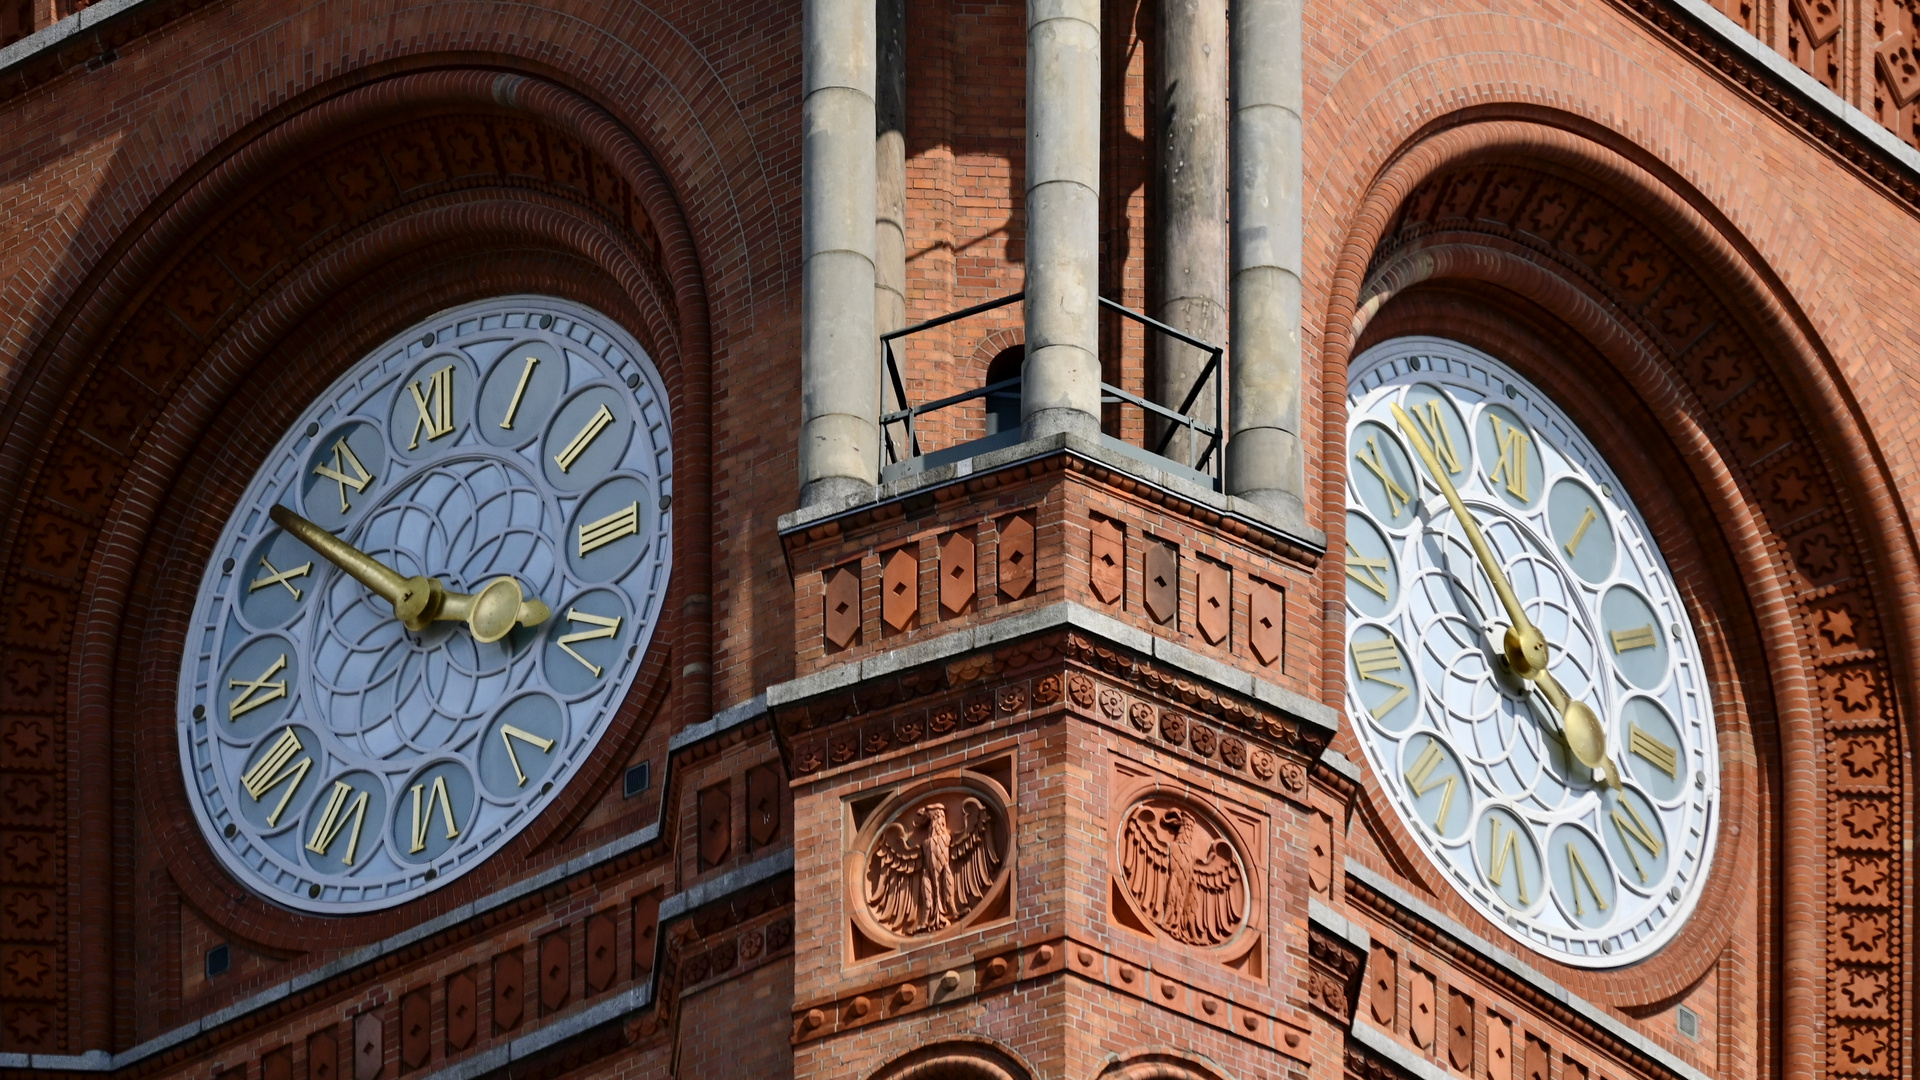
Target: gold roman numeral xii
(1512, 466)
(436, 406)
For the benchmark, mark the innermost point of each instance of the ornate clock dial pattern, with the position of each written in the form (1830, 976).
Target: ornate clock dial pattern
(1594, 866)
(341, 759)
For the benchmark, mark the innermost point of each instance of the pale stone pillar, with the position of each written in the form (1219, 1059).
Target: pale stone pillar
(1193, 201)
(1062, 372)
(1263, 455)
(839, 383)
(890, 172)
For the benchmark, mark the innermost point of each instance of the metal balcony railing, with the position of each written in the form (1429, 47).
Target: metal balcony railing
(1204, 443)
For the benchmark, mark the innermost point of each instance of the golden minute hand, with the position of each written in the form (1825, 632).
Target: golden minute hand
(1526, 647)
(419, 601)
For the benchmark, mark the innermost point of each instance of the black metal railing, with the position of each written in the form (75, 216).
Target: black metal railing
(1204, 438)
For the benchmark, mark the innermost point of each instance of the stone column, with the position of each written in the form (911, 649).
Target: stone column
(1062, 370)
(890, 173)
(839, 383)
(1263, 454)
(1193, 202)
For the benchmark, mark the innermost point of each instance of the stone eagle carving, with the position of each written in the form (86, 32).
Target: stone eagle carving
(923, 888)
(1186, 883)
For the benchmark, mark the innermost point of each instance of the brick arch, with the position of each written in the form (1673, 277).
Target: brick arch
(1163, 1065)
(957, 1059)
(294, 254)
(1547, 247)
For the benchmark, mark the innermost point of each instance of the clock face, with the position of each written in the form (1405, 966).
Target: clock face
(1483, 766)
(339, 761)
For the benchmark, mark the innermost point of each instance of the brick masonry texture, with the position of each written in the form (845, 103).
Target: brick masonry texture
(206, 213)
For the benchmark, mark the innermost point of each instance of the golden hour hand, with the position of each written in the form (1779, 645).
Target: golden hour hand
(420, 601)
(1525, 646)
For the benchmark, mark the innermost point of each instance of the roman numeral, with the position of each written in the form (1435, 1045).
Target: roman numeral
(436, 406)
(599, 534)
(1640, 637)
(1396, 495)
(258, 691)
(344, 459)
(508, 733)
(1372, 657)
(581, 440)
(1513, 443)
(1580, 531)
(513, 406)
(276, 576)
(1367, 571)
(275, 768)
(1418, 779)
(1634, 829)
(1431, 422)
(1575, 862)
(1665, 758)
(422, 819)
(1506, 852)
(607, 628)
(334, 817)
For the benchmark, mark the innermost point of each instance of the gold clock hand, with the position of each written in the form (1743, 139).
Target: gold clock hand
(418, 601)
(1526, 647)
(1581, 727)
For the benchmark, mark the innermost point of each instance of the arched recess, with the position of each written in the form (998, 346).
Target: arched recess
(1162, 1065)
(305, 240)
(1615, 286)
(957, 1059)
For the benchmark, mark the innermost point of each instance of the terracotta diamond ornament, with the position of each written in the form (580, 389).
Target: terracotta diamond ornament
(1107, 572)
(956, 573)
(1163, 583)
(899, 598)
(1016, 557)
(1215, 602)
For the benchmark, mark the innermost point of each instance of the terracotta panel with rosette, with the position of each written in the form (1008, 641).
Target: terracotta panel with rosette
(1016, 557)
(935, 858)
(1107, 561)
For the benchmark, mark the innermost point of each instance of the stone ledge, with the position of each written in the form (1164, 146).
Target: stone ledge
(1287, 531)
(1058, 616)
(1382, 1045)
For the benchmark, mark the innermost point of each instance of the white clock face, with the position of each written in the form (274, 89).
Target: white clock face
(1592, 871)
(339, 761)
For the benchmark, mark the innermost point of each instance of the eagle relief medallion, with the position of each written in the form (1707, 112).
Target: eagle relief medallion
(931, 859)
(1181, 872)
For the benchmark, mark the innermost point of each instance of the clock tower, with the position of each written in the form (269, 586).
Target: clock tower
(1048, 540)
